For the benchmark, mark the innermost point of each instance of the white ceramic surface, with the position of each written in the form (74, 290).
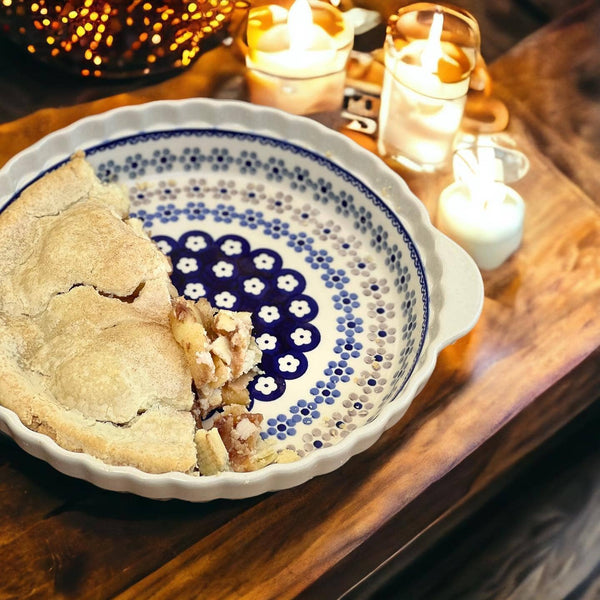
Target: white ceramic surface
(354, 292)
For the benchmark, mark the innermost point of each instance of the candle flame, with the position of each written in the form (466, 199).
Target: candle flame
(478, 170)
(433, 51)
(300, 26)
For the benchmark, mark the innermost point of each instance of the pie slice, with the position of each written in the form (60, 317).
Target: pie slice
(92, 351)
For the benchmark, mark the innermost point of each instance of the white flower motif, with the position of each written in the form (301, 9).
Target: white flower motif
(288, 282)
(265, 385)
(225, 300)
(164, 246)
(301, 336)
(299, 308)
(195, 243)
(288, 363)
(266, 341)
(223, 269)
(254, 286)
(231, 247)
(194, 291)
(269, 314)
(263, 261)
(187, 265)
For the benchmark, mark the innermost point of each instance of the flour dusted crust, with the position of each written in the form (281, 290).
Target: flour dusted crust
(51, 242)
(96, 350)
(86, 351)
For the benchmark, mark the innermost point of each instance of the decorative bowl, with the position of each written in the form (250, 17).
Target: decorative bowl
(353, 291)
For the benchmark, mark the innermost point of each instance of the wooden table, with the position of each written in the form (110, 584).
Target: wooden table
(531, 364)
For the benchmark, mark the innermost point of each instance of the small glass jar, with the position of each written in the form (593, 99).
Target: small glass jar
(430, 52)
(297, 58)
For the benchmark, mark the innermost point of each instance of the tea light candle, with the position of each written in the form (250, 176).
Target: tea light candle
(430, 52)
(484, 216)
(297, 58)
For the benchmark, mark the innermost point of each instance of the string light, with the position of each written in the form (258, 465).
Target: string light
(114, 38)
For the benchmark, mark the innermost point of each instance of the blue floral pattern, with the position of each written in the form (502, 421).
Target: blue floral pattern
(335, 285)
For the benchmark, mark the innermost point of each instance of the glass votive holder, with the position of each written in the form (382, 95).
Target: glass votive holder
(296, 59)
(508, 165)
(430, 52)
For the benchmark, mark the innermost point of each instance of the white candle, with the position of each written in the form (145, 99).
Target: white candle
(296, 59)
(430, 52)
(485, 219)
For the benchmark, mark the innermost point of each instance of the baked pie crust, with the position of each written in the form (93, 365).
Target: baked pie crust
(87, 352)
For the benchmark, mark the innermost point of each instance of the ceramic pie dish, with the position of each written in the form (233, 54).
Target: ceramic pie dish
(353, 291)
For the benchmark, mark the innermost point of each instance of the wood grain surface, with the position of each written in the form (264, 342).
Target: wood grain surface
(560, 98)
(529, 367)
(538, 538)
